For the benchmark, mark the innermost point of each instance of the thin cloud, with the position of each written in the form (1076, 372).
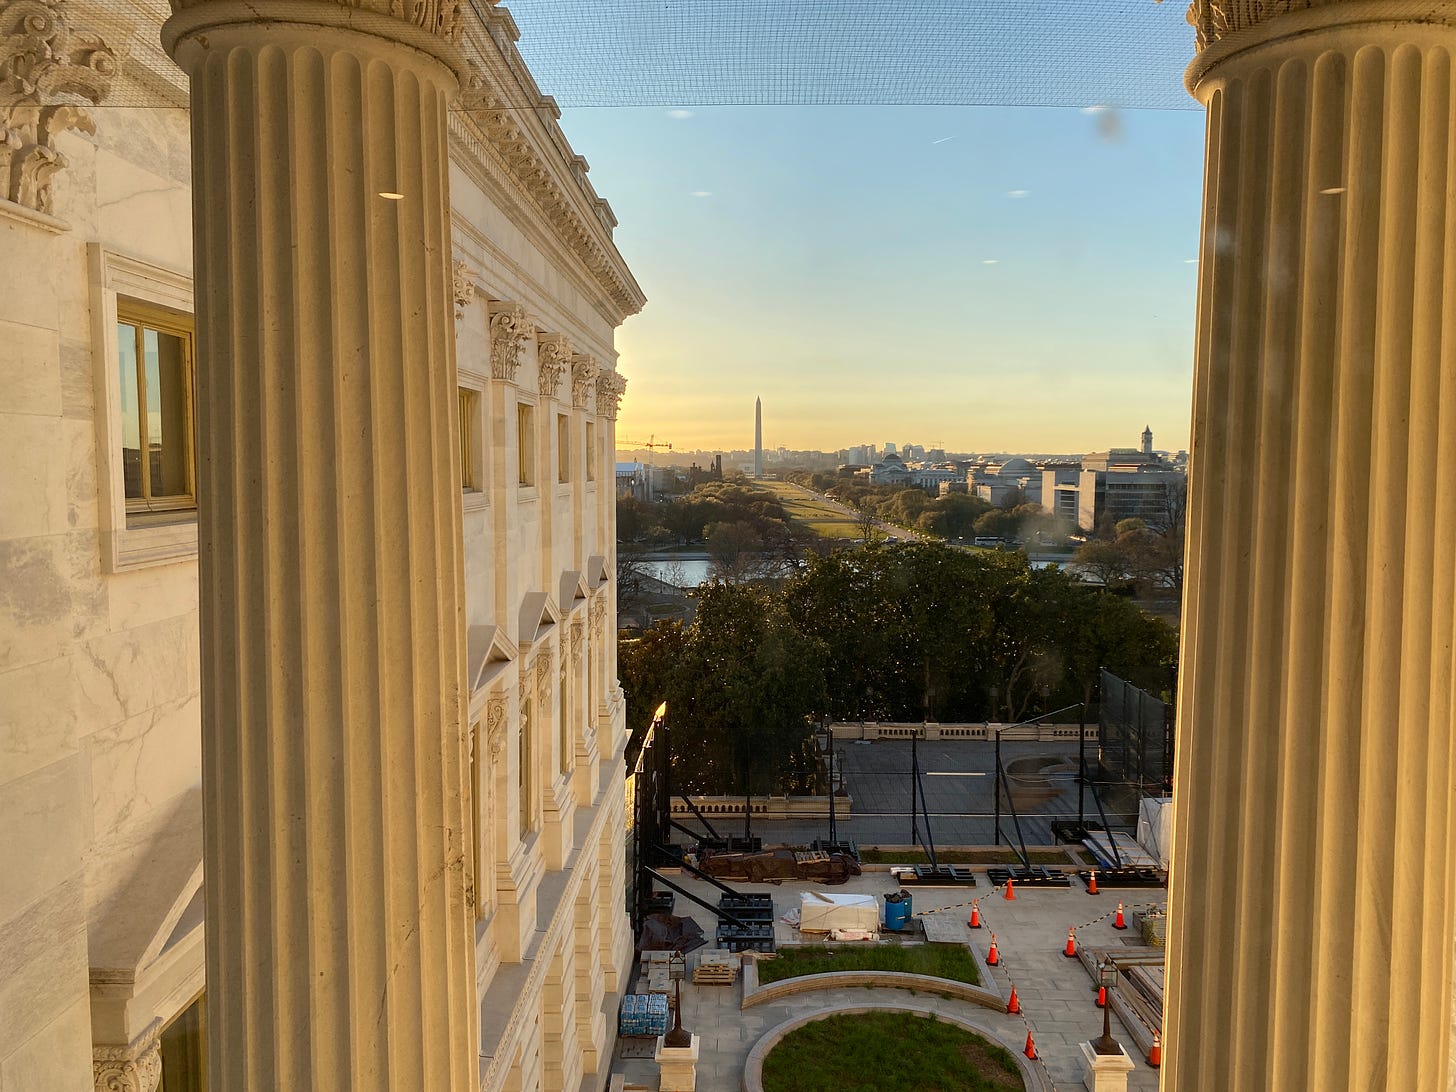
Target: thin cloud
(679, 115)
(1018, 193)
(701, 193)
(942, 140)
(990, 261)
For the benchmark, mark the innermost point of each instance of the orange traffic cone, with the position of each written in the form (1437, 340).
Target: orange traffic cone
(993, 958)
(1155, 1052)
(1092, 883)
(975, 922)
(1010, 889)
(1118, 922)
(1070, 951)
(1030, 1050)
(1013, 1005)
(1101, 997)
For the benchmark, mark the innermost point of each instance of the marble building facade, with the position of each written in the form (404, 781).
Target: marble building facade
(104, 907)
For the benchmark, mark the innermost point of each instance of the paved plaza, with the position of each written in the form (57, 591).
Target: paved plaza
(1056, 993)
(958, 777)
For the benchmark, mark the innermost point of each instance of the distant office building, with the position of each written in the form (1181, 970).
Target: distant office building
(1016, 479)
(1124, 483)
(634, 480)
(1060, 484)
(890, 449)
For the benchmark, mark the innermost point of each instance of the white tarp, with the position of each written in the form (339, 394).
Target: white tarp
(1155, 828)
(820, 913)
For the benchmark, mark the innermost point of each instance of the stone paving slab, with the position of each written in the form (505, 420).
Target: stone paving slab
(1056, 993)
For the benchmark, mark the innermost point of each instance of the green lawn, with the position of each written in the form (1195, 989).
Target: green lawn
(950, 961)
(874, 1051)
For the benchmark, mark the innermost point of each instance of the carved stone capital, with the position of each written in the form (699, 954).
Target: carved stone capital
(44, 66)
(1215, 19)
(610, 388)
(135, 1067)
(439, 18)
(553, 352)
(462, 279)
(495, 722)
(509, 329)
(584, 373)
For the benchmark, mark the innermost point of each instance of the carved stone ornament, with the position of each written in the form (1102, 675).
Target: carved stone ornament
(438, 17)
(134, 1068)
(45, 66)
(552, 354)
(543, 683)
(509, 329)
(495, 723)
(610, 388)
(464, 287)
(578, 640)
(1215, 19)
(525, 684)
(598, 611)
(584, 372)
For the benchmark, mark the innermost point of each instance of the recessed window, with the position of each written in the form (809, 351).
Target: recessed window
(154, 374)
(527, 806)
(563, 448)
(591, 452)
(525, 444)
(469, 440)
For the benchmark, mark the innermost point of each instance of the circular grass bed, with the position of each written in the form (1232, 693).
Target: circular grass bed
(872, 1051)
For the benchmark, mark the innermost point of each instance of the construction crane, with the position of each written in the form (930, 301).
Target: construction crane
(650, 444)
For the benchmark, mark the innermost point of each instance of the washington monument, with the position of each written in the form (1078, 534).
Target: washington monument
(758, 437)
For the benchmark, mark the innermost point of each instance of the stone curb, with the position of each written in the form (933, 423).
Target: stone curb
(756, 994)
(1033, 1076)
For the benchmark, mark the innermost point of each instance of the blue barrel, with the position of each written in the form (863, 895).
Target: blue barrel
(897, 910)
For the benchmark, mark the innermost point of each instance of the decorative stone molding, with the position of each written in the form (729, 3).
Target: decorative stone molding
(524, 684)
(463, 281)
(543, 683)
(44, 66)
(136, 1067)
(584, 373)
(495, 722)
(598, 611)
(509, 329)
(578, 639)
(553, 351)
(1215, 19)
(610, 388)
(437, 17)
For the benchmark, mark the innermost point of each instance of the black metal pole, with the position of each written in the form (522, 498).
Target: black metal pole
(998, 786)
(1082, 767)
(833, 828)
(914, 783)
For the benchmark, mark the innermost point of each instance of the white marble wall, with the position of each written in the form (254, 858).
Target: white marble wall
(99, 704)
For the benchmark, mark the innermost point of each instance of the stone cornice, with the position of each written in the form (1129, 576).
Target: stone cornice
(502, 113)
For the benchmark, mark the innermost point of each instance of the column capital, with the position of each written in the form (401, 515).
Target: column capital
(431, 26)
(584, 372)
(610, 388)
(553, 354)
(135, 1067)
(509, 329)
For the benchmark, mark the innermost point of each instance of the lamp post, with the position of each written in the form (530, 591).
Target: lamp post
(996, 779)
(824, 739)
(1107, 979)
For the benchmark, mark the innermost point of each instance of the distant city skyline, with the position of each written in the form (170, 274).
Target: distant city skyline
(994, 279)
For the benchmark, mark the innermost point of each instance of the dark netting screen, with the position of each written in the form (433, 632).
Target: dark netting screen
(1136, 736)
(586, 53)
(1127, 53)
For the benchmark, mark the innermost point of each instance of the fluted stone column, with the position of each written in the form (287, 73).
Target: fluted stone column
(1310, 937)
(339, 944)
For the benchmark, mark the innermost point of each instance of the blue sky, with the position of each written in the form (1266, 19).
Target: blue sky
(991, 278)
